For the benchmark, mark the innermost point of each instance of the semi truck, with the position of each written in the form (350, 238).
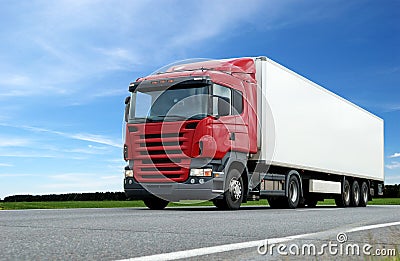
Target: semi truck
(241, 129)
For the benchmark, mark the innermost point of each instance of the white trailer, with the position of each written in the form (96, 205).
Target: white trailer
(305, 126)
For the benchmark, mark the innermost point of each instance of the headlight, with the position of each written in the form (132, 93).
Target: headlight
(128, 173)
(201, 172)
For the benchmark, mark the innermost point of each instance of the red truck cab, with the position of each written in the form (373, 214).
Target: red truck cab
(186, 128)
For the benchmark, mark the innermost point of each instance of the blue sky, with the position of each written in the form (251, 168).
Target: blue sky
(65, 67)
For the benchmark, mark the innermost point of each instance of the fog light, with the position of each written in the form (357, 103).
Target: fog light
(207, 172)
(201, 181)
(128, 173)
(192, 181)
(201, 172)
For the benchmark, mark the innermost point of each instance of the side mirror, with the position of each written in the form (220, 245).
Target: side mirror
(127, 99)
(127, 107)
(224, 106)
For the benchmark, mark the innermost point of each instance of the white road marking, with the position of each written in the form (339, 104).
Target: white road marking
(214, 249)
(373, 226)
(249, 244)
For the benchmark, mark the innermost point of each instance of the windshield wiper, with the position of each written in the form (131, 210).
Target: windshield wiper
(158, 118)
(170, 116)
(199, 116)
(143, 119)
(193, 117)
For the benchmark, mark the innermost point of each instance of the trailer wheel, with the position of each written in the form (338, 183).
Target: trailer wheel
(364, 194)
(293, 192)
(155, 203)
(355, 194)
(343, 200)
(234, 190)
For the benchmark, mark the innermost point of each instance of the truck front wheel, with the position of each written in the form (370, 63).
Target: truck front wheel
(155, 203)
(234, 190)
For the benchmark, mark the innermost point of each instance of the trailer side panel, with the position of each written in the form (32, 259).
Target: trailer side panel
(315, 129)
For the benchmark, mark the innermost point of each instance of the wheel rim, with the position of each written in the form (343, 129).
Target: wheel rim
(293, 191)
(365, 193)
(235, 189)
(356, 194)
(347, 194)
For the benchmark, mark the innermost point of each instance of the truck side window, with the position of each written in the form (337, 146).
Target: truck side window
(235, 97)
(237, 102)
(219, 90)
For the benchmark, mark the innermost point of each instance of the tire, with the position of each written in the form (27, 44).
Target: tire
(293, 198)
(155, 203)
(302, 203)
(294, 192)
(355, 194)
(343, 200)
(364, 194)
(234, 191)
(220, 204)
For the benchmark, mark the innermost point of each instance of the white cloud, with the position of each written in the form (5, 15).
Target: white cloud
(117, 58)
(390, 180)
(15, 175)
(60, 47)
(82, 182)
(14, 80)
(74, 42)
(75, 177)
(26, 155)
(393, 165)
(5, 165)
(95, 138)
(110, 92)
(395, 155)
(112, 178)
(90, 149)
(14, 142)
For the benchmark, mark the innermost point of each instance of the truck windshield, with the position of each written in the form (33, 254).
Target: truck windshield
(175, 103)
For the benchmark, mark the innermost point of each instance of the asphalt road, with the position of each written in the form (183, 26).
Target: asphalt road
(114, 234)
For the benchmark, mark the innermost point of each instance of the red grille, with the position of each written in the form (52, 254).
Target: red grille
(161, 157)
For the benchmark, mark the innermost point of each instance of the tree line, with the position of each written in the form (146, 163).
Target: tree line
(97, 196)
(390, 191)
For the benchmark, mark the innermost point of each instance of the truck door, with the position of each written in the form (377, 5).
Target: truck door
(241, 122)
(224, 126)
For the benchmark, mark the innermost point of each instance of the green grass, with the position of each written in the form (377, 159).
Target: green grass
(70, 204)
(375, 201)
(131, 204)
